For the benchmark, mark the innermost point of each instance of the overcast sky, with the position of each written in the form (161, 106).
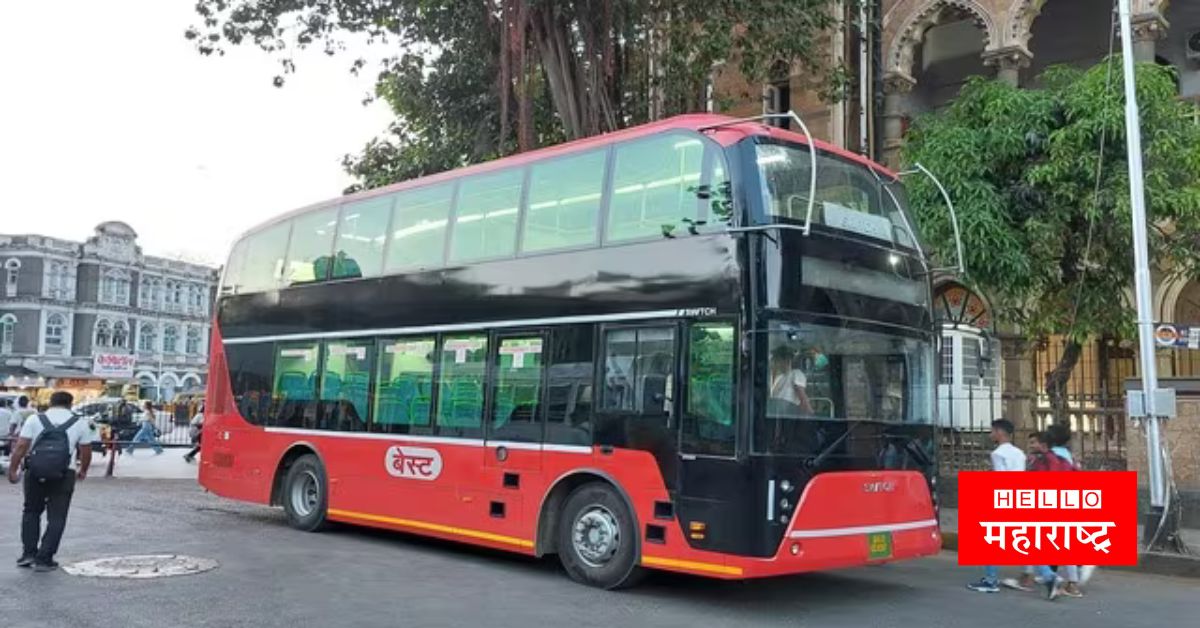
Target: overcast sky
(108, 113)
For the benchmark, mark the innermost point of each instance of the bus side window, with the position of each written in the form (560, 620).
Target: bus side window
(309, 250)
(708, 425)
(639, 365)
(250, 378)
(345, 385)
(294, 399)
(654, 184)
(404, 386)
(517, 386)
(461, 377)
(570, 383)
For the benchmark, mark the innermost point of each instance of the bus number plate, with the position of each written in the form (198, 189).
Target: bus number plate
(879, 545)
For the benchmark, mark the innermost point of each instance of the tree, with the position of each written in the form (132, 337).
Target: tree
(1045, 224)
(472, 80)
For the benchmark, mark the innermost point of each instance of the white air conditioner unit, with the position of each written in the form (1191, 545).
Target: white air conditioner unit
(1193, 46)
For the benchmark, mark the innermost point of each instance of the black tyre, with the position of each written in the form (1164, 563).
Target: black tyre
(598, 539)
(305, 494)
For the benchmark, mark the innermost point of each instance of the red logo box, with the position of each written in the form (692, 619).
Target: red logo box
(1047, 518)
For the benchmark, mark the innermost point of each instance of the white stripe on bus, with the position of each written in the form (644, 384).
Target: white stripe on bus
(436, 440)
(482, 325)
(887, 527)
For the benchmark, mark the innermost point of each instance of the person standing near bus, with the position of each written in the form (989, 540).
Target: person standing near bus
(1005, 457)
(56, 462)
(196, 431)
(148, 432)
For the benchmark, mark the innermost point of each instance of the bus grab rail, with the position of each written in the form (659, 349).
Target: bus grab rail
(812, 148)
(918, 168)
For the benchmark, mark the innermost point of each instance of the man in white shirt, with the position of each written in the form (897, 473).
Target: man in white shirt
(1005, 457)
(50, 496)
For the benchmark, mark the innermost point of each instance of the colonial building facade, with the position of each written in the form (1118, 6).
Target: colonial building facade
(64, 302)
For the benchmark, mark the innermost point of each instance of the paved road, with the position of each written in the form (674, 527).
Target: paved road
(271, 575)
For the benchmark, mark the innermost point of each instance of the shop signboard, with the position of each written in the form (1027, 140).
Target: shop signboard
(113, 365)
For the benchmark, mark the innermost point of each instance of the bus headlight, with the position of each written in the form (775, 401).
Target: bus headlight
(786, 486)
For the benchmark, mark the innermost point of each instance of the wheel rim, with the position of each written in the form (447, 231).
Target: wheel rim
(306, 494)
(596, 535)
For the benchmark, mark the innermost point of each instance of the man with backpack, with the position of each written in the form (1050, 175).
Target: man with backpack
(46, 450)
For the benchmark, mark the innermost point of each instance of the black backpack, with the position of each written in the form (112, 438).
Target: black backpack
(50, 456)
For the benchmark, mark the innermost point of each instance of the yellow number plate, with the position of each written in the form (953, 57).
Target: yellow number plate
(879, 545)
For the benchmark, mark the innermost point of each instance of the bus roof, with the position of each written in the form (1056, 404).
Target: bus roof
(724, 130)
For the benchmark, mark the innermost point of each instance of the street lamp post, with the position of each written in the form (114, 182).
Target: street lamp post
(1142, 283)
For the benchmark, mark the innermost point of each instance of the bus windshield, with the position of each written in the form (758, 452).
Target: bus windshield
(850, 197)
(823, 372)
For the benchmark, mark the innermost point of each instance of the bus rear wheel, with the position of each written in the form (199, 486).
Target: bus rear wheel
(597, 538)
(306, 494)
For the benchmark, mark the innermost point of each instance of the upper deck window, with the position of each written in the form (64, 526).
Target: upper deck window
(485, 220)
(418, 238)
(849, 195)
(362, 229)
(564, 202)
(655, 185)
(309, 250)
(256, 263)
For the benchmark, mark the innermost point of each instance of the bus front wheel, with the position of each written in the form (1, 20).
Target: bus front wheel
(306, 494)
(597, 538)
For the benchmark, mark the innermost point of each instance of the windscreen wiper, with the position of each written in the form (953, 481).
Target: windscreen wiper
(816, 461)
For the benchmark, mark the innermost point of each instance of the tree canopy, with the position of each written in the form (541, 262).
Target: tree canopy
(473, 80)
(1046, 227)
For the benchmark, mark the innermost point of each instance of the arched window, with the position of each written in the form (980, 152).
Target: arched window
(56, 332)
(170, 339)
(8, 327)
(102, 337)
(156, 293)
(120, 337)
(12, 270)
(193, 341)
(147, 338)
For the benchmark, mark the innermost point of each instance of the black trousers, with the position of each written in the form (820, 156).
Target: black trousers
(53, 498)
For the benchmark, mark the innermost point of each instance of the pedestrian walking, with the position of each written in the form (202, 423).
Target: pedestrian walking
(148, 432)
(196, 431)
(53, 451)
(1006, 457)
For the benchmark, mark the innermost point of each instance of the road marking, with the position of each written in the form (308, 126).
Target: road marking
(432, 527)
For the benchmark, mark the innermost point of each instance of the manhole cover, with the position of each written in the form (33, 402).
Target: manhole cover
(144, 566)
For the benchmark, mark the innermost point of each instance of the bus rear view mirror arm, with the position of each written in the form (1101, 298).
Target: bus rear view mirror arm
(812, 149)
(958, 247)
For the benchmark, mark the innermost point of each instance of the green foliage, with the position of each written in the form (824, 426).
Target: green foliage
(470, 81)
(1051, 248)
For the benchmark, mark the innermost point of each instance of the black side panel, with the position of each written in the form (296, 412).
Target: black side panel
(687, 272)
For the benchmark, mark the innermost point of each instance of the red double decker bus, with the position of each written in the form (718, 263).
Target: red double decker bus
(700, 345)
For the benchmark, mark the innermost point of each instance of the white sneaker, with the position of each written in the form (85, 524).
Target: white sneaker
(1085, 573)
(1013, 583)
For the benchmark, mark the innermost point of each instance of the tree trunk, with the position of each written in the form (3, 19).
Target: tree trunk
(1058, 377)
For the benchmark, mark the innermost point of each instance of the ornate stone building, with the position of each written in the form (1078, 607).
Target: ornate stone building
(64, 302)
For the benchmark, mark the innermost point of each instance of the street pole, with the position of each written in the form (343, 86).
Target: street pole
(1142, 286)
